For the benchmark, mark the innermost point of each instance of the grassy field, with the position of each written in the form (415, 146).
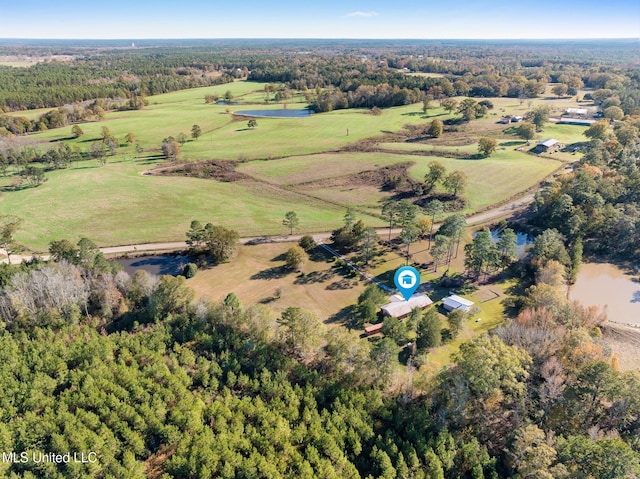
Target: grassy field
(308, 172)
(116, 204)
(257, 271)
(227, 137)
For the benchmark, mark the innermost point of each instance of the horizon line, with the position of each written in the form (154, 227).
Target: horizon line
(321, 38)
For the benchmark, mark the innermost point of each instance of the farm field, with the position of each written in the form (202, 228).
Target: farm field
(296, 164)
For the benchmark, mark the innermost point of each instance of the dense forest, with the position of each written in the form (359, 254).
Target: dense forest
(354, 69)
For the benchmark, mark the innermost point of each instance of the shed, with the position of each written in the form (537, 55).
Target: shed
(399, 308)
(576, 111)
(546, 145)
(575, 121)
(454, 301)
(373, 329)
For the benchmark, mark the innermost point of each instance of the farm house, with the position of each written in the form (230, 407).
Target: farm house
(399, 308)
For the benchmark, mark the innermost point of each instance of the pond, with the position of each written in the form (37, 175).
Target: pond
(600, 284)
(274, 113)
(522, 241)
(159, 265)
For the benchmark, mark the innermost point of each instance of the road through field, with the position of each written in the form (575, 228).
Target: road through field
(499, 212)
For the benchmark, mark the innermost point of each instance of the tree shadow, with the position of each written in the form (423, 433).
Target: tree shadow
(315, 277)
(320, 255)
(342, 284)
(454, 121)
(276, 272)
(345, 317)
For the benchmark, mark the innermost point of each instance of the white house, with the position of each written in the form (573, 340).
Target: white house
(399, 308)
(456, 302)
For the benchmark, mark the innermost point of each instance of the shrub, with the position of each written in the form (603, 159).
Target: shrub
(307, 243)
(190, 270)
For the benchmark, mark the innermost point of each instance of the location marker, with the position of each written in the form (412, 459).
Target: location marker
(407, 280)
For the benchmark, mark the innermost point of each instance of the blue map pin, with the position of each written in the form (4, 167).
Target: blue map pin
(407, 280)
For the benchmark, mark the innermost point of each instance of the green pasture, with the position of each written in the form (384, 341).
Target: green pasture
(275, 137)
(411, 147)
(493, 179)
(311, 168)
(225, 136)
(116, 204)
(306, 171)
(566, 134)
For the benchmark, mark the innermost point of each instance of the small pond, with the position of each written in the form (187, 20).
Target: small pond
(274, 113)
(600, 284)
(165, 264)
(522, 241)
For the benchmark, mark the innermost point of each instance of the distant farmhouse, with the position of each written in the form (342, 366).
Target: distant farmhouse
(453, 302)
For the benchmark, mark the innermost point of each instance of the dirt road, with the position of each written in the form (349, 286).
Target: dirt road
(499, 212)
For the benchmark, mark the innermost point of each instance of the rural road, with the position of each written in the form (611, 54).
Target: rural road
(499, 212)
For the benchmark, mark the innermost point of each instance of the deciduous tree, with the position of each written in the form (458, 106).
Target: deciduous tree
(295, 257)
(526, 130)
(486, 146)
(539, 116)
(9, 225)
(456, 182)
(291, 221)
(435, 128)
(435, 174)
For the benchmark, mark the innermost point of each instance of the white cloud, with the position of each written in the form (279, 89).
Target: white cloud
(362, 14)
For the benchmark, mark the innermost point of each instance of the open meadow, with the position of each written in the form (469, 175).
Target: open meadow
(311, 165)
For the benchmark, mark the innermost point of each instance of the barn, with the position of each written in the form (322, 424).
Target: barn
(454, 301)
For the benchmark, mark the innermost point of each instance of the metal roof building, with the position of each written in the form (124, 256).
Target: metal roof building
(456, 302)
(399, 308)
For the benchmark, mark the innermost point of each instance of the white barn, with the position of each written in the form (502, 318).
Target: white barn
(454, 301)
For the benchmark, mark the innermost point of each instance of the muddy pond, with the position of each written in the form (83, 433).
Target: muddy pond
(600, 284)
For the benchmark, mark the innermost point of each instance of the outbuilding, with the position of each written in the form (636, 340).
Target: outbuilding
(576, 121)
(373, 329)
(576, 111)
(547, 145)
(454, 301)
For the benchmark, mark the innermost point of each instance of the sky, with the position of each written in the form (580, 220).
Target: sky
(414, 19)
